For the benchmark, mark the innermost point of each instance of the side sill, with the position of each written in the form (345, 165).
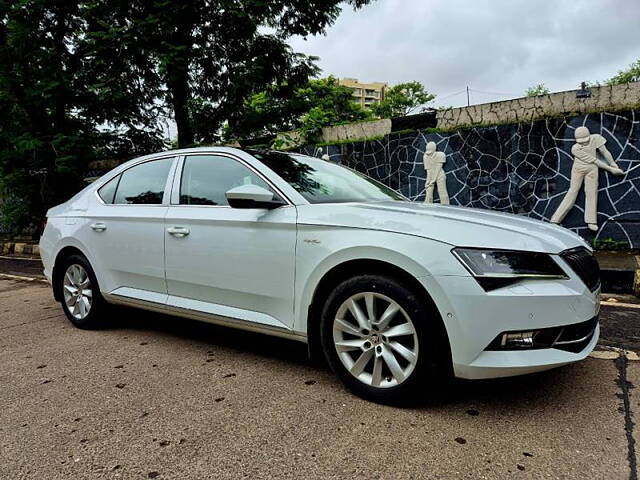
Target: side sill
(204, 317)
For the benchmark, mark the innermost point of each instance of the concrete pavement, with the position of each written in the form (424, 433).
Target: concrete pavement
(163, 397)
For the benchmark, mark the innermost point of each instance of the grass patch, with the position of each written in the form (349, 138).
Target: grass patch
(609, 244)
(355, 140)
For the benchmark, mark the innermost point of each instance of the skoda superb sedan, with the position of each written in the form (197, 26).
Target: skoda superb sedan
(396, 294)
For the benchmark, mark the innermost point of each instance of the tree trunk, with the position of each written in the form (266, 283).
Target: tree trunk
(60, 104)
(178, 84)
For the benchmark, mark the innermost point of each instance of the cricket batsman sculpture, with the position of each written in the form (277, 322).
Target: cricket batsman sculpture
(586, 166)
(433, 165)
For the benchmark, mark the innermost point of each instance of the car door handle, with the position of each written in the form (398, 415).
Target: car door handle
(99, 227)
(178, 231)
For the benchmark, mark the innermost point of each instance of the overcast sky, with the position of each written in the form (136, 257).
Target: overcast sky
(497, 46)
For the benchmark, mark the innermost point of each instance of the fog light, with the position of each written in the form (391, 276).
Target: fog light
(517, 340)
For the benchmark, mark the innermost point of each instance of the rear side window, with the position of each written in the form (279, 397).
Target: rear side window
(143, 184)
(108, 190)
(206, 179)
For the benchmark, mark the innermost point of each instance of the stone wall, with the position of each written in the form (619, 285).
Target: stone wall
(527, 109)
(354, 131)
(339, 133)
(521, 168)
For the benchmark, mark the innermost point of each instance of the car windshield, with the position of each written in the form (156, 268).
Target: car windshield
(321, 181)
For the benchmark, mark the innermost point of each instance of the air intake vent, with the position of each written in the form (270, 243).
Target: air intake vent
(585, 265)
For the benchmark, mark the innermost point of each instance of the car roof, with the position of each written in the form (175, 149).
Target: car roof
(217, 148)
(185, 151)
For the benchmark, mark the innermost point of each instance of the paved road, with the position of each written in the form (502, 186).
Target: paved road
(162, 397)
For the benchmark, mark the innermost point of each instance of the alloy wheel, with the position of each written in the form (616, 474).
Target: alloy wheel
(375, 339)
(78, 294)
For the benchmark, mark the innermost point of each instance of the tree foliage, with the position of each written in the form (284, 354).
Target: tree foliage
(63, 105)
(88, 79)
(319, 103)
(211, 57)
(631, 74)
(402, 99)
(537, 90)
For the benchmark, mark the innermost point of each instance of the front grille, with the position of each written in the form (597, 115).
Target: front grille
(584, 263)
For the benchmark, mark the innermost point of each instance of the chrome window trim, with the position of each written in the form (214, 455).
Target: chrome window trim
(146, 160)
(178, 179)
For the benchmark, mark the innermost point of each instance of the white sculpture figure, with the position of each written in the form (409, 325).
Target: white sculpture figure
(433, 165)
(326, 157)
(585, 169)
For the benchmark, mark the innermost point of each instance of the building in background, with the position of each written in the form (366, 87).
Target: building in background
(365, 94)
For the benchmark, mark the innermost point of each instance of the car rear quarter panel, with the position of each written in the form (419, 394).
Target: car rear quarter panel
(62, 232)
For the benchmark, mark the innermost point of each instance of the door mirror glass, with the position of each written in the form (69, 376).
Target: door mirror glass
(251, 196)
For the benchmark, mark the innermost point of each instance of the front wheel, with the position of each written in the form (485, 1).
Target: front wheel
(383, 340)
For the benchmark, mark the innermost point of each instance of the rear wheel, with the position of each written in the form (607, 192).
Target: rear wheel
(79, 293)
(382, 340)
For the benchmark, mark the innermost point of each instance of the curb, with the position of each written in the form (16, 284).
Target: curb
(19, 248)
(620, 304)
(21, 278)
(612, 353)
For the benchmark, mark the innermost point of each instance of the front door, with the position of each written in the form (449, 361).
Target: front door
(229, 262)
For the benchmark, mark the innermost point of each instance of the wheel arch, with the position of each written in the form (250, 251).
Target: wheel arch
(346, 269)
(56, 274)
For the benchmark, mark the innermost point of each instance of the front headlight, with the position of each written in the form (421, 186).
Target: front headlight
(497, 268)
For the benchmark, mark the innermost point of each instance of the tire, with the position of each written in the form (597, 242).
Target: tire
(80, 295)
(405, 327)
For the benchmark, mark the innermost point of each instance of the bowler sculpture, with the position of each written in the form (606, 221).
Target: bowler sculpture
(585, 169)
(433, 164)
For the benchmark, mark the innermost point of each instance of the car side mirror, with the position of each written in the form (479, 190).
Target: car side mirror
(252, 196)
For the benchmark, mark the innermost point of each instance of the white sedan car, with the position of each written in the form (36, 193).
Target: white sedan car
(396, 294)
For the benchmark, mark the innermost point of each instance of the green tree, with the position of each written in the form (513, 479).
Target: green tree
(63, 105)
(319, 103)
(631, 74)
(537, 90)
(329, 104)
(402, 99)
(87, 79)
(213, 56)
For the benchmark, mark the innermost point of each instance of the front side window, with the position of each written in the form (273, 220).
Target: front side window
(321, 181)
(206, 179)
(144, 183)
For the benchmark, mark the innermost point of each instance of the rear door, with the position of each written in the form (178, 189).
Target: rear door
(229, 262)
(126, 231)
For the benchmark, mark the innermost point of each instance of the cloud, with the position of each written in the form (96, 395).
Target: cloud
(496, 46)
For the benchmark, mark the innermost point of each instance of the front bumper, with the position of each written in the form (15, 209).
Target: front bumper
(474, 318)
(493, 363)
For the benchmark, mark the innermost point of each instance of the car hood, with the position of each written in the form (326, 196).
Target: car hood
(457, 226)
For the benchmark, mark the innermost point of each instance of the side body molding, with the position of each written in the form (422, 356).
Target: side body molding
(203, 311)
